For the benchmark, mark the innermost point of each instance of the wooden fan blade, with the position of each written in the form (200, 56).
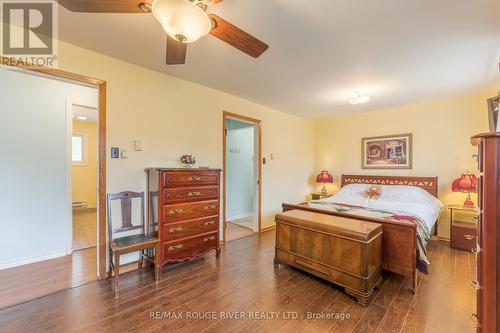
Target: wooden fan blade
(103, 6)
(236, 37)
(176, 51)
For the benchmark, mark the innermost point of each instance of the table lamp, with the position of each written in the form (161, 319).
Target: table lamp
(466, 183)
(324, 178)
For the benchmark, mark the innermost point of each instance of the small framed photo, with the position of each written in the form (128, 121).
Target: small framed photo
(115, 152)
(387, 152)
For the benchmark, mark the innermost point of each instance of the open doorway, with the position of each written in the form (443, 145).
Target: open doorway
(84, 146)
(39, 241)
(242, 174)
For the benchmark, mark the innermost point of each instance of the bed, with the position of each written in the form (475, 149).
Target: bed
(408, 210)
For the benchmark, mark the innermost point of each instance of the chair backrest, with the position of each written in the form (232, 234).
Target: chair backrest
(153, 210)
(126, 209)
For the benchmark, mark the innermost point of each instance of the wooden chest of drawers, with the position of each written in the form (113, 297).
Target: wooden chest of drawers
(487, 249)
(183, 209)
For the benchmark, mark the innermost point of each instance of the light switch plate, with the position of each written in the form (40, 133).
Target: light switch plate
(137, 145)
(124, 153)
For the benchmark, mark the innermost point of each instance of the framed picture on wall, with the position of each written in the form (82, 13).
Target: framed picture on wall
(387, 152)
(493, 113)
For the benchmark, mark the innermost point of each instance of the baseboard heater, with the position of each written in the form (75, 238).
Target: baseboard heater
(79, 204)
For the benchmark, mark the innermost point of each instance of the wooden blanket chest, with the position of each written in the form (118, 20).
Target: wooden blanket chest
(347, 252)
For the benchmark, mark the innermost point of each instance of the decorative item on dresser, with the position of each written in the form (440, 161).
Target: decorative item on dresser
(487, 249)
(183, 207)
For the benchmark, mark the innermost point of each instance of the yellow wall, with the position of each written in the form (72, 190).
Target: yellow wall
(441, 145)
(84, 177)
(173, 117)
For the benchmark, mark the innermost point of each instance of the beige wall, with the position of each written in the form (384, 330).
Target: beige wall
(172, 117)
(441, 145)
(84, 177)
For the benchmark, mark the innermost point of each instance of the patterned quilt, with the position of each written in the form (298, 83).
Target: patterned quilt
(423, 232)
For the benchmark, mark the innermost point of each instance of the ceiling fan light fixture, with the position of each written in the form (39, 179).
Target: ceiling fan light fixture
(181, 19)
(359, 99)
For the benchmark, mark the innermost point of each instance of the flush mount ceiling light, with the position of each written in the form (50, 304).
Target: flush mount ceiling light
(359, 99)
(184, 21)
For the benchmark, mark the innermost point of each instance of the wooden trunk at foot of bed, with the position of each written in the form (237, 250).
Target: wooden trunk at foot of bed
(399, 242)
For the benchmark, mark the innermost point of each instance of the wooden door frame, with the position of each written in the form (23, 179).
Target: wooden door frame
(101, 85)
(257, 122)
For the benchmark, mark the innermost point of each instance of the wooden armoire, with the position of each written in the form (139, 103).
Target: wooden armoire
(487, 285)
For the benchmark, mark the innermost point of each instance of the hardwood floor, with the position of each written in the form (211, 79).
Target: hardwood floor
(234, 231)
(246, 222)
(27, 282)
(84, 228)
(245, 280)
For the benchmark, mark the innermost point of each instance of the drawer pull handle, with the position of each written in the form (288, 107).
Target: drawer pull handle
(194, 178)
(206, 239)
(469, 237)
(475, 321)
(210, 207)
(209, 223)
(194, 194)
(175, 247)
(175, 211)
(176, 229)
(476, 286)
(475, 217)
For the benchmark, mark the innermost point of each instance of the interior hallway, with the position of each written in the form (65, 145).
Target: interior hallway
(84, 228)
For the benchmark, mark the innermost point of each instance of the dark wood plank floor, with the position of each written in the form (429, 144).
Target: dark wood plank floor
(27, 282)
(245, 280)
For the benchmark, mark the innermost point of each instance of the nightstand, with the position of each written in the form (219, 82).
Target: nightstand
(319, 195)
(462, 234)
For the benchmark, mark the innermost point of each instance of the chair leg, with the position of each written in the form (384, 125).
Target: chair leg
(110, 269)
(141, 259)
(117, 273)
(157, 263)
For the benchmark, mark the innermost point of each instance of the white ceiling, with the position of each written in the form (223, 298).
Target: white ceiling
(321, 51)
(87, 112)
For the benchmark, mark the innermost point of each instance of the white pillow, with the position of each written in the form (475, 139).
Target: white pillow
(394, 193)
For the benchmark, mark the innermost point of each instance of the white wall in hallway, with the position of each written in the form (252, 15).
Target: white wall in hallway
(33, 165)
(240, 172)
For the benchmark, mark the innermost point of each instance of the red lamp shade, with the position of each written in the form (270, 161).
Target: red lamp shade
(466, 183)
(324, 177)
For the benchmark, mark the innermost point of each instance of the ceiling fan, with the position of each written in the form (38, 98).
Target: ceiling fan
(184, 21)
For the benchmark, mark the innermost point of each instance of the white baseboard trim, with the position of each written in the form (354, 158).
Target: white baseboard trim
(30, 260)
(238, 217)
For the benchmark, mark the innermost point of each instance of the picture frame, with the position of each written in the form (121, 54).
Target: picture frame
(493, 113)
(387, 152)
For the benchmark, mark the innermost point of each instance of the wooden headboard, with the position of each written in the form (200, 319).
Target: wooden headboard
(430, 184)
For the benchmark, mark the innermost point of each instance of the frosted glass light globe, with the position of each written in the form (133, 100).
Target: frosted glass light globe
(181, 20)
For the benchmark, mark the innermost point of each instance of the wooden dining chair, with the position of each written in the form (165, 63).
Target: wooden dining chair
(137, 242)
